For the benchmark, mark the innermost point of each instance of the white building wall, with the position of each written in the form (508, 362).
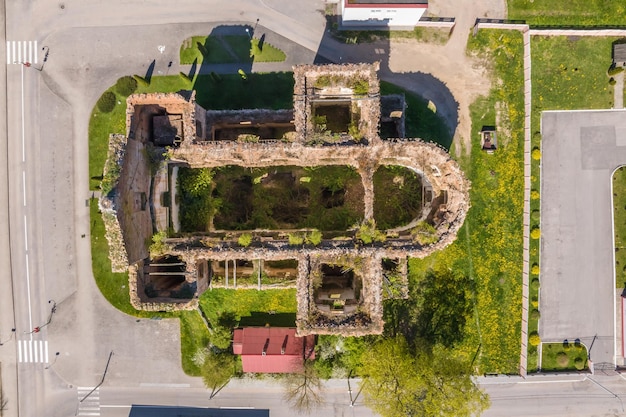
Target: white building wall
(380, 16)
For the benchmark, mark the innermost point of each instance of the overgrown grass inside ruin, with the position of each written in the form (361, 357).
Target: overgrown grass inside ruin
(251, 307)
(327, 198)
(397, 196)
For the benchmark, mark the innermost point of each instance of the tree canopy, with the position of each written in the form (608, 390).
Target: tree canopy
(428, 382)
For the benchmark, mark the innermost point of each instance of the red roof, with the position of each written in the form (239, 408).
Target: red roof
(272, 349)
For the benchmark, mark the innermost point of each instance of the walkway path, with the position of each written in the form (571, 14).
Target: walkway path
(618, 91)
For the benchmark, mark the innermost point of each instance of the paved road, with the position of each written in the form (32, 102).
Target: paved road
(562, 396)
(580, 150)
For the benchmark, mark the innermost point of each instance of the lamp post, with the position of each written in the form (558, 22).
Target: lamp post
(10, 337)
(249, 34)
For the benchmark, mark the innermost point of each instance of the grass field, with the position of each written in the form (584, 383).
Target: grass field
(619, 219)
(567, 73)
(252, 306)
(489, 246)
(421, 122)
(563, 357)
(568, 13)
(227, 50)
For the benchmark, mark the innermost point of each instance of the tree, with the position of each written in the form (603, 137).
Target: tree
(303, 390)
(217, 370)
(400, 383)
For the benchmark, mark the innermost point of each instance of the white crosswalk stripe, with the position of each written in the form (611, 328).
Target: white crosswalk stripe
(32, 351)
(89, 406)
(20, 52)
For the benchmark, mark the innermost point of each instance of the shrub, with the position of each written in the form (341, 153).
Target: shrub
(367, 233)
(536, 154)
(126, 86)
(106, 102)
(314, 238)
(614, 70)
(535, 233)
(245, 240)
(534, 284)
(534, 339)
(535, 314)
(535, 269)
(202, 48)
(296, 239)
(562, 359)
(535, 215)
(158, 245)
(141, 80)
(579, 363)
(424, 234)
(612, 81)
(534, 194)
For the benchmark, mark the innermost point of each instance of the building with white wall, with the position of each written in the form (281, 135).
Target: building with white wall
(392, 14)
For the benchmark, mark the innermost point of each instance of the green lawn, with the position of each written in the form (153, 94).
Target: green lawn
(251, 306)
(489, 246)
(217, 52)
(421, 122)
(228, 49)
(568, 13)
(563, 357)
(567, 73)
(260, 91)
(267, 52)
(619, 219)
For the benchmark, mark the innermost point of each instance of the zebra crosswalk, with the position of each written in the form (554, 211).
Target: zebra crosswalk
(89, 406)
(20, 52)
(33, 351)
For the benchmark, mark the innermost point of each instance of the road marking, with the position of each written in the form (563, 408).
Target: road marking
(24, 187)
(32, 351)
(19, 52)
(89, 406)
(25, 234)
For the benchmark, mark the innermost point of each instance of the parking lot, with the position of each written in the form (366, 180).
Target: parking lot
(580, 151)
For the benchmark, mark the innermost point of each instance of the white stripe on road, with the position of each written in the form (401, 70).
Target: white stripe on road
(25, 234)
(45, 344)
(36, 51)
(24, 187)
(19, 51)
(12, 51)
(19, 350)
(36, 350)
(30, 351)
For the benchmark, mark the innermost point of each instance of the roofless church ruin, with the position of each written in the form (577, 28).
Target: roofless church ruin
(313, 197)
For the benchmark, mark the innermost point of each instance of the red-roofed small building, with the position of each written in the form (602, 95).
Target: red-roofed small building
(272, 349)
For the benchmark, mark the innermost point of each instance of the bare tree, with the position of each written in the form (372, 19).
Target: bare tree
(303, 390)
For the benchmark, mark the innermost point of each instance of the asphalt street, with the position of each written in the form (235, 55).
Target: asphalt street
(580, 150)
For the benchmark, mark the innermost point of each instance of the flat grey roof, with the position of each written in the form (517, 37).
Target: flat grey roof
(388, 2)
